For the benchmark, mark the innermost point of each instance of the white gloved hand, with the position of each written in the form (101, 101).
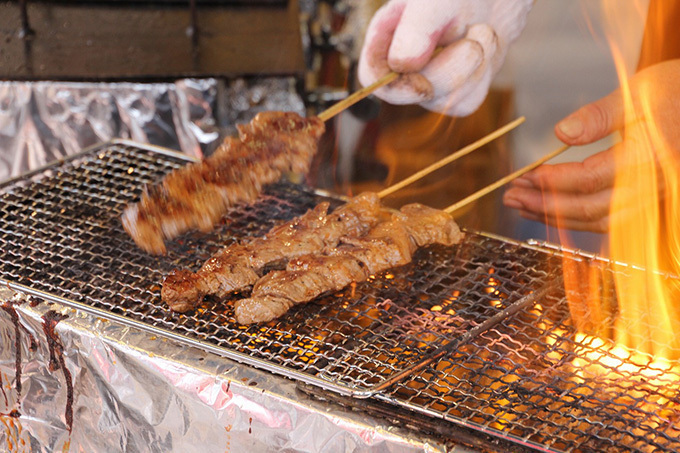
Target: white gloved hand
(474, 36)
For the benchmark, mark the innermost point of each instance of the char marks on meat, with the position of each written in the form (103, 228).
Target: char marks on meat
(198, 194)
(275, 293)
(240, 265)
(388, 244)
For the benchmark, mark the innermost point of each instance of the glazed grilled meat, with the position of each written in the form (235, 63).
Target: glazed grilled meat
(198, 195)
(387, 245)
(275, 293)
(240, 265)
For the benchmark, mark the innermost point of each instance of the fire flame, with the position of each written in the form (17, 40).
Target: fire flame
(649, 315)
(644, 228)
(632, 378)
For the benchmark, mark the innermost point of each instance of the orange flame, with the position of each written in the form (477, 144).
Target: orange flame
(644, 220)
(637, 379)
(649, 317)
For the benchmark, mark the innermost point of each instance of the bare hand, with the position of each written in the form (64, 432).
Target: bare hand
(578, 195)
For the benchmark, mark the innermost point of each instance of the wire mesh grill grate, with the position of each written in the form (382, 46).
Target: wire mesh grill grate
(537, 380)
(60, 233)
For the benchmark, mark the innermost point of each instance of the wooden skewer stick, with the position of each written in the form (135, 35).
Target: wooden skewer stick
(362, 93)
(356, 97)
(491, 187)
(447, 160)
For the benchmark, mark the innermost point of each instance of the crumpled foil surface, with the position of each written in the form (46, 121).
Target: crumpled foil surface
(136, 392)
(44, 121)
(245, 98)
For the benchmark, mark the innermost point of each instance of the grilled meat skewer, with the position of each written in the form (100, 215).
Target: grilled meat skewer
(240, 265)
(198, 194)
(387, 245)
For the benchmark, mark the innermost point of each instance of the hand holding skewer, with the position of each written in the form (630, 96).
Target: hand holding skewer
(385, 80)
(512, 176)
(366, 91)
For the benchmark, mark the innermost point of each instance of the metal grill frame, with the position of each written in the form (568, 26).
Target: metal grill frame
(490, 322)
(105, 314)
(653, 424)
(327, 379)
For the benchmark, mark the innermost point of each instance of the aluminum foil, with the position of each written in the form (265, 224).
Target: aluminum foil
(243, 99)
(136, 392)
(44, 121)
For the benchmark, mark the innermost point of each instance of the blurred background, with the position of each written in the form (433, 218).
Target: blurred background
(180, 75)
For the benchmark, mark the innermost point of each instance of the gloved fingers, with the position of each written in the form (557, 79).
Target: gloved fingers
(423, 27)
(461, 74)
(409, 88)
(373, 59)
(403, 35)
(462, 102)
(476, 96)
(508, 18)
(453, 66)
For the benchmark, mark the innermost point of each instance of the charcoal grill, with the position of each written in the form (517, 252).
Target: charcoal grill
(477, 335)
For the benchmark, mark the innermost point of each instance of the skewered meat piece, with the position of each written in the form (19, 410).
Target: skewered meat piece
(230, 268)
(198, 194)
(240, 265)
(271, 298)
(387, 245)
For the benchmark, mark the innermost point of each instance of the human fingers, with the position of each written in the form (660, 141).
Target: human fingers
(594, 174)
(574, 195)
(423, 27)
(624, 214)
(373, 62)
(569, 208)
(598, 226)
(461, 74)
(593, 121)
(373, 59)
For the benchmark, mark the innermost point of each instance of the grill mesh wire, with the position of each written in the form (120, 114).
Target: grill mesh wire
(60, 233)
(535, 380)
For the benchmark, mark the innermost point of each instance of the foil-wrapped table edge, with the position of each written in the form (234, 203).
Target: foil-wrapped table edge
(133, 391)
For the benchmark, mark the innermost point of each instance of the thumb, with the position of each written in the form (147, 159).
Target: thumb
(593, 121)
